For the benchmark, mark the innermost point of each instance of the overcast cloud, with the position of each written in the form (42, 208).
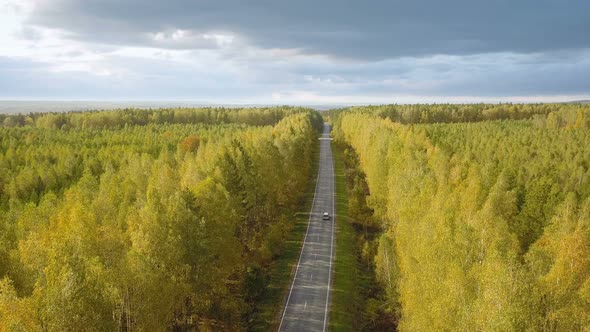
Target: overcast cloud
(295, 51)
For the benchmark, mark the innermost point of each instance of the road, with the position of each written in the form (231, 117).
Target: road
(307, 305)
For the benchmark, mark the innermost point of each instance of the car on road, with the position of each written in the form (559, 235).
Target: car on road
(326, 216)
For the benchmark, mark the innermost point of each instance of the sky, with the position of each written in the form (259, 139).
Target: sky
(295, 51)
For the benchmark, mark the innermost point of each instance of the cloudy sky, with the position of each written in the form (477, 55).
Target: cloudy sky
(295, 51)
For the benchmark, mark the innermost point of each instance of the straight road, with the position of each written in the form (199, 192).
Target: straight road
(309, 297)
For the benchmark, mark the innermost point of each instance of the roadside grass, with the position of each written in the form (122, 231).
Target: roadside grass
(282, 269)
(345, 295)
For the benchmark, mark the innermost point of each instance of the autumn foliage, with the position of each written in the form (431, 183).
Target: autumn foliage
(484, 213)
(190, 143)
(146, 220)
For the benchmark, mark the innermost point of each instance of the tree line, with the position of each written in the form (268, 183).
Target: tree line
(485, 224)
(99, 119)
(129, 225)
(572, 115)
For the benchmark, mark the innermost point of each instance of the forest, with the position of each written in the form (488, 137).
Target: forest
(469, 217)
(483, 212)
(146, 219)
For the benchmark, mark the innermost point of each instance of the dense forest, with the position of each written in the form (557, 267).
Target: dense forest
(483, 211)
(146, 219)
(469, 217)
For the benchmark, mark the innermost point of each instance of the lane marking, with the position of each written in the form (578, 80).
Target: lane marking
(305, 238)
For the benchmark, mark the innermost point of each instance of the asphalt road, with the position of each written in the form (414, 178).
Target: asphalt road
(309, 297)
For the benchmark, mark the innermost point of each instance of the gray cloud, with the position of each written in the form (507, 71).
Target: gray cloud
(150, 79)
(340, 28)
(491, 75)
(224, 51)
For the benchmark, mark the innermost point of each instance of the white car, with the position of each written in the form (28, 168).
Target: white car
(326, 216)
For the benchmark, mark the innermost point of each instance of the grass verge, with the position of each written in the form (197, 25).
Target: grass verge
(345, 292)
